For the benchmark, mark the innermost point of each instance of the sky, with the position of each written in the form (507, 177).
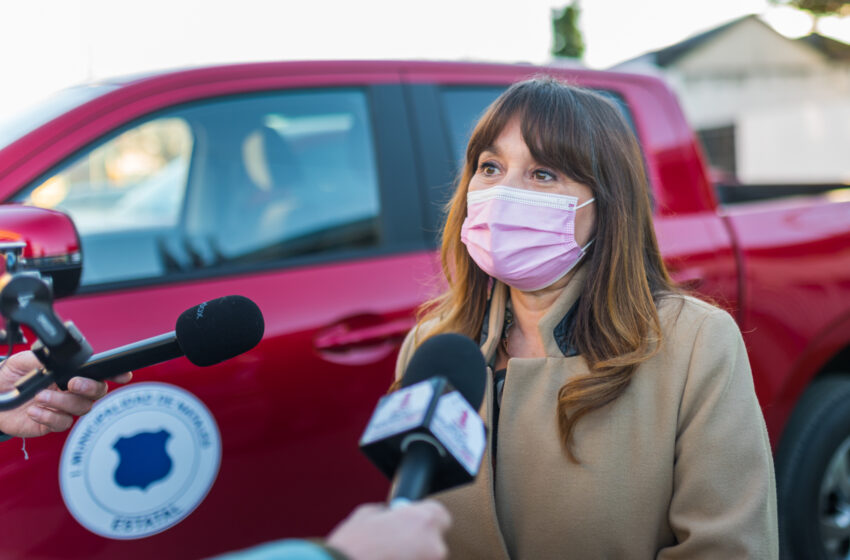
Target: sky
(46, 45)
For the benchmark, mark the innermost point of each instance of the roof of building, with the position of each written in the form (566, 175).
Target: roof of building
(836, 50)
(668, 55)
(831, 48)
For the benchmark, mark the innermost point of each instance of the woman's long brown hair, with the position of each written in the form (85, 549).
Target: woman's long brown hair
(582, 134)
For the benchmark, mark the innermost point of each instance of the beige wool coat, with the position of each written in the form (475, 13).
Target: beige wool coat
(679, 466)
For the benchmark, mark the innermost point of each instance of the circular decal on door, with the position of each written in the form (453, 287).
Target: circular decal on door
(140, 462)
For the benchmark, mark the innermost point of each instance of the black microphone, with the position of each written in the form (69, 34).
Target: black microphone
(206, 334)
(427, 436)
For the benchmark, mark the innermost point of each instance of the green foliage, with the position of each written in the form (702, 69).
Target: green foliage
(567, 36)
(818, 8)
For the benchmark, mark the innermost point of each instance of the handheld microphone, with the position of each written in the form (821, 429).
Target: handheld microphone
(427, 436)
(206, 334)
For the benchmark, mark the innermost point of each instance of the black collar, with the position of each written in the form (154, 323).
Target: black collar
(563, 331)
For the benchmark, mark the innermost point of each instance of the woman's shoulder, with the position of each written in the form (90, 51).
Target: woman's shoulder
(684, 316)
(420, 331)
(414, 338)
(701, 348)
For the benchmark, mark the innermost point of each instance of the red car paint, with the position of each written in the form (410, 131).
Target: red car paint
(291, 411)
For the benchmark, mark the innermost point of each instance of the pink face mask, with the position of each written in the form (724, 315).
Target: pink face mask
(524, 238)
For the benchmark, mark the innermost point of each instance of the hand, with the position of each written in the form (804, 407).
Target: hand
(374, 532)
(51, 410)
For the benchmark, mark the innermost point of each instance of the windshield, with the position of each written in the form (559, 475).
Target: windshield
(32, 117)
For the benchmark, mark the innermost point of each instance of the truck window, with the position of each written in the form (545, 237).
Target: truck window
(463, 107)
(231, 182)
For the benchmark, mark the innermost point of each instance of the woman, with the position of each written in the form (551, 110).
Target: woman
(623, 418)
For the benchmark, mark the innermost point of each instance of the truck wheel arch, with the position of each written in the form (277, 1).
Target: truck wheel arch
(827, 353)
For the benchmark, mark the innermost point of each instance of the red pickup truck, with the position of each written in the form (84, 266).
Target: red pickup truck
(315, 189)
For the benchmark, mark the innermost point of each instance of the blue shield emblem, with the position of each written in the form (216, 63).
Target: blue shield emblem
(143, 459)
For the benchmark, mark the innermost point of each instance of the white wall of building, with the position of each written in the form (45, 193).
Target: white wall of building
(809, 143)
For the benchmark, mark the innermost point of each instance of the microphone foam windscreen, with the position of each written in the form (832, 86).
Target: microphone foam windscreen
(219, 329)
(455, 357)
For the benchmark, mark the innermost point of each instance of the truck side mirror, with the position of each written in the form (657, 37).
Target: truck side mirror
(48, 242)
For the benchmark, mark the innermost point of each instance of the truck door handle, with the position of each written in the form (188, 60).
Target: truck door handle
(342, 336)
(361, 340)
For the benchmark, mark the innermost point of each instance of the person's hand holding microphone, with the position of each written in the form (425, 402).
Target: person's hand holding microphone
(375, 532)
(51, 410)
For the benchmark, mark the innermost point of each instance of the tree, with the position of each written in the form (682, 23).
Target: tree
(817, 8)
(567, 36)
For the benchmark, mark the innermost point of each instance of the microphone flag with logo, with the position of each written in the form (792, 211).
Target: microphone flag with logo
(428, 436)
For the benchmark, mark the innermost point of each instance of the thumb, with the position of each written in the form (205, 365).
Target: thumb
(435, 514)
(20, 364)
